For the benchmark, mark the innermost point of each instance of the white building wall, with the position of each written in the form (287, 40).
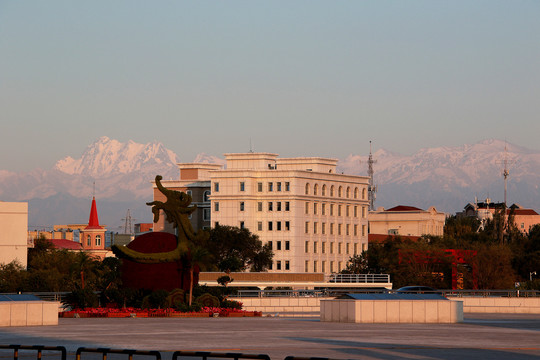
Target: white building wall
(296, 174)
(13, 232)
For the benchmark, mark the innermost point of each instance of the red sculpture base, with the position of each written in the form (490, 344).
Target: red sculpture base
(162, 276)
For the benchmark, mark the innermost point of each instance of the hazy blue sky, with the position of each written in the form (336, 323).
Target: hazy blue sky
(299, 78)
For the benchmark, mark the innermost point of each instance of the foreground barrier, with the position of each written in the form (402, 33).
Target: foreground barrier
(38, 348)
(204, 355)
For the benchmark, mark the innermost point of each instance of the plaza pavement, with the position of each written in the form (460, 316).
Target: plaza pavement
(481, 336)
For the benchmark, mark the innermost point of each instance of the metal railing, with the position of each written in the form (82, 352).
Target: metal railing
(38, 348)
(358, 278)
(204, 355)
(106, 351)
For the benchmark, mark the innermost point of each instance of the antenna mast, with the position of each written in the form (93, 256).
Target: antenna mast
(372, 188)
(505, 172)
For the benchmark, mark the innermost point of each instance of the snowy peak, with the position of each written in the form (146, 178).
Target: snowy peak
(108, 156)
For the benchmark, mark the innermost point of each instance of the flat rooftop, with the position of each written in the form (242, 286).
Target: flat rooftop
(487, 336)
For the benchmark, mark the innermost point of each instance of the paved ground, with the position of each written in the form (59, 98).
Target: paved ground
(486, 336)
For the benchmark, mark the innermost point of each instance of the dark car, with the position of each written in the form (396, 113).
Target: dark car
(417, 289)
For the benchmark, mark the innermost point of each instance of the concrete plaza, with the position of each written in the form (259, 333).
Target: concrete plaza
(481, 336)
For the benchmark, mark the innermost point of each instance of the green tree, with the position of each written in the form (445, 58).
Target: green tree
(12, 277)
(235, 249)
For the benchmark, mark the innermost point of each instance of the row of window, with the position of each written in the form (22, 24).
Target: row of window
(333, 229)
(355, 191)
(332, 248)
(331, 207)
(89, 240)
(270, 186)
(274, 225)
(279, 206)
(286, 263)
(287, 245)
(323, 268)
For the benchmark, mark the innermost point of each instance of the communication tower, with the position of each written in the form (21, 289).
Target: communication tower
(372, 188)
(128, 226)
(505, 173)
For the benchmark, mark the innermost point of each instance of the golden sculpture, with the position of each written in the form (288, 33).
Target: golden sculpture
(177, 209)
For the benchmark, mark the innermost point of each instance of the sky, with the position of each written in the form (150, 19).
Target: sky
(297, 78)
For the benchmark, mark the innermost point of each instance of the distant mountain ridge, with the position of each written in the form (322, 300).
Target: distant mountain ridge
(445, 177)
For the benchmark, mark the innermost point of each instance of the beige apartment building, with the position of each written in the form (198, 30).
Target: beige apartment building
(407, 221)
(314, 218)
(13, 228)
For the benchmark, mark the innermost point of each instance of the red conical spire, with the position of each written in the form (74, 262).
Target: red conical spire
(93, 222)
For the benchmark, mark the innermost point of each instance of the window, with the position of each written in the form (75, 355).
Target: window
(278, 206)
(241, 206)
(278, 225)
(259, 206)
(356, 193)
(259, 226)
(331, 266)
(355, 230)
(242, 186)
(314, 247)
(339, 229)
(270, 245)
(348, 192)
(287, 186)
(216, 224)
(339, 248)
(287, 206)
(347, 246)
(331, 228)
(188, 192)
(363, 230)
(216, 187)
(355, 249)
(206, 214)
(306, 266)
(307, 189)
(363, 212)
(323, 190)
(206, 196)
(355, 211)
(89, 240)
(347, 210)
(242, 225)
(307, 208)
(340, 191)
(339, 210)
(340, 266)
(271, 267)
(259, 187)
(315, 189)
(270, 187)
(278, 265)
(347, 229)
(323, 247)
(287, 245)
(323, 228)
(98, 240)
(287, 265)
(364, 247)
(278, 245)
(331, 209)
(306, 247)
(323, 209)
(364, 193)
(270, 206)
(270, 226)
(315, 266)
(306, 230)
(278, 186)
(315, 208)
(315, 226)
(216, 206)
(287, 226)
(331, 248)
(323, 266)
(332, 190)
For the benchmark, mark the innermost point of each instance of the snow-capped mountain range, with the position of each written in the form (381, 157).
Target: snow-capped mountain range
(447, 178)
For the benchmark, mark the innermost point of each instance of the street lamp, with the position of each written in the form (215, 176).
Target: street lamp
(531, 275)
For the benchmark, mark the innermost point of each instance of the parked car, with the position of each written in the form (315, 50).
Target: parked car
(417, 289)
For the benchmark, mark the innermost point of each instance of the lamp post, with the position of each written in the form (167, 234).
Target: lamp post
(531, 275)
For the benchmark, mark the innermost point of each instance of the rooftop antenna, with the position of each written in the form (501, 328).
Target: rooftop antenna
(250, 146)
(94, 189)
(372, 188)
(505, 173)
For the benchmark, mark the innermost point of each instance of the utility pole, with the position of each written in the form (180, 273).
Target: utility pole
(372, 188)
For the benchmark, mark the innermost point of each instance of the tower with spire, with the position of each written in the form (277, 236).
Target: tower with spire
(93, 235)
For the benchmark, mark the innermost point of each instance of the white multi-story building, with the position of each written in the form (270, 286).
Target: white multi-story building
(314, 218)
